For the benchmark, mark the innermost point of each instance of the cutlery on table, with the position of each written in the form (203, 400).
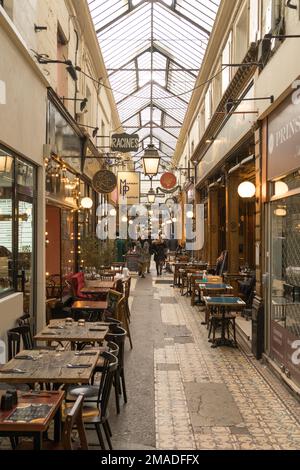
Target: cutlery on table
(12, 371)
(78, 366)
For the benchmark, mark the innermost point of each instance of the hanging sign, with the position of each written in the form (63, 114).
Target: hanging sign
(128, 187)
(168, 180)
(124, 143)
(104, 181)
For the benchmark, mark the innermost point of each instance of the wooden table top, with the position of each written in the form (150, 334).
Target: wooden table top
(89, 305)
(90, 331)
(53, 399)
(100, 284)
(49, 366)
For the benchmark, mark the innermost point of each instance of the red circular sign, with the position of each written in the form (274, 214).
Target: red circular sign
(168, 180)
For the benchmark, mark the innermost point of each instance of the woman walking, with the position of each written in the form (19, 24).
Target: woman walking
(159, 249)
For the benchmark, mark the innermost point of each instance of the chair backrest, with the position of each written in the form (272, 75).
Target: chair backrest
(113, 348)
(118, 285)
(13, 344)
(107, 376)
(26, 335)
(113, 298)
(24, 319)
(117, 334)
(77, 283)
(74, 418)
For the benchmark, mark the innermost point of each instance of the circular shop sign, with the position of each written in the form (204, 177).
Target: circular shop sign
(104, 181)
(168, 180)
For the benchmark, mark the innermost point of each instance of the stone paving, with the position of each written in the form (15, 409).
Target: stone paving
(184, 395)
(214, 398)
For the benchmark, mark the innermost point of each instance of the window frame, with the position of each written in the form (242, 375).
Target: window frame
(16, 197)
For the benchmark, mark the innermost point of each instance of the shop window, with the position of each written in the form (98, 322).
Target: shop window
(281, 187)
(17, 227)
(285, 281)
(226, 59)
(6, 221)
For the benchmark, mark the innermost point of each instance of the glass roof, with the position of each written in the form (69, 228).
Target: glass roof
(153, 50)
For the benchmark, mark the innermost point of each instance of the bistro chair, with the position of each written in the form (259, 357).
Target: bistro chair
(127, 287)
(117, 335)
(216, 321)
(98, 395)
(209, 311)
(72, 420)
(13, 344)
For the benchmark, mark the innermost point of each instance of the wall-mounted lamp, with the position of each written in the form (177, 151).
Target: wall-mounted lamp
(189, 214)
(86, 203)
(281, 188)
(230, 103)
(246, 189)
(44, 59)
(280, 211)
(113, 212)
(96, 129)
(83, 103)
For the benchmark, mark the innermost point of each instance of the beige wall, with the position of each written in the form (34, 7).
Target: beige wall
(11, 308)
(23, 129)
(24, 113)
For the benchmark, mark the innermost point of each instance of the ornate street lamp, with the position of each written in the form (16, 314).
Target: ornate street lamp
(151, 196)
(151, 160)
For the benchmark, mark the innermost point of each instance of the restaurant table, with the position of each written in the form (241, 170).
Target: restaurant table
(97, 285)
(49, 366)
(36, 427)
(201, 285)
(222, 304)
(59, 331)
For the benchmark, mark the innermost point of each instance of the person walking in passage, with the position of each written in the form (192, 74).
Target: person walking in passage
(159, 249)
(142, 252)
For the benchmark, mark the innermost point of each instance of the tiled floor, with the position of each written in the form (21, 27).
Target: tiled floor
(182, 394)
(215, 398)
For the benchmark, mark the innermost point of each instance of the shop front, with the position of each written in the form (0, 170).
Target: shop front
(71, 202)
(283, 238)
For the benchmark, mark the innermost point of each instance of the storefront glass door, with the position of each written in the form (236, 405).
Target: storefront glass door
(25, 253)
(285, 284)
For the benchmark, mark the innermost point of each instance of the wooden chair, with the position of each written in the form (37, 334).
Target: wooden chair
(213, 293)
(126, 287)
(194, 289)
(72, 419)
(186, 280)
(98, 396)
(117, 335)
(122, 315)
(13, 344)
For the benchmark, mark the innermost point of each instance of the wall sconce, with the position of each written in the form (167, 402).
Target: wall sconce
(280, 211)
(246, 189)
(113, 212)
(281, 188)
(86, 203)
(189, 214)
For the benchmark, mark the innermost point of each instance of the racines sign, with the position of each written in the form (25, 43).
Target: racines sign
(124, 143)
